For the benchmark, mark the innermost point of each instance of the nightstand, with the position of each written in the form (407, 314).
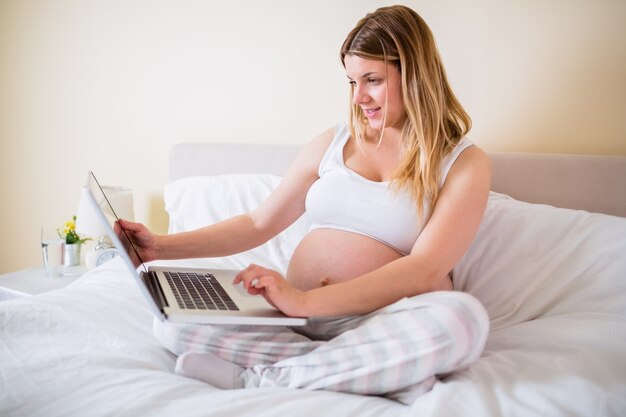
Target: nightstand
(35, 281)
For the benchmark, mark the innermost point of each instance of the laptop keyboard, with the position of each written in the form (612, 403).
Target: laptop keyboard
(199, 291)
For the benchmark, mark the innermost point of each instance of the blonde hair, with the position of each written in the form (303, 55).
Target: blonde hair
(435, 120)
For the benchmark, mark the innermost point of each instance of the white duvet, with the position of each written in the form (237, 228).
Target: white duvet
(552, 280)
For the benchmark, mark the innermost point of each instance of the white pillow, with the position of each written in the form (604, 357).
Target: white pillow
(195, 202)
(531, 260)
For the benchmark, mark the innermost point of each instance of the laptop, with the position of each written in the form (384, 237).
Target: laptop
(188, 295)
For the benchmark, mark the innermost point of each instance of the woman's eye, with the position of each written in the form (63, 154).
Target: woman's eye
(352, 82)
(373, 80)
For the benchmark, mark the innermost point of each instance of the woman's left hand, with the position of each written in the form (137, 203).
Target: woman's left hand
(273, 287)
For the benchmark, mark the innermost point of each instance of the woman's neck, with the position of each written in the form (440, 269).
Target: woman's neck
(389, 134)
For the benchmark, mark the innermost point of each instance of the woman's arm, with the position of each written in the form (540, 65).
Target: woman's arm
(240, 233)
(445, 238)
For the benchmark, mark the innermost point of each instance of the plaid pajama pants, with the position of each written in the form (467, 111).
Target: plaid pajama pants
(397, 349)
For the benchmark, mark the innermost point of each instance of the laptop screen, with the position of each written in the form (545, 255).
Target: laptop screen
(106, 206)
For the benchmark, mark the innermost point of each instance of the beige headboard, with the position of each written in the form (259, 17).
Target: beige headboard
(587, 182)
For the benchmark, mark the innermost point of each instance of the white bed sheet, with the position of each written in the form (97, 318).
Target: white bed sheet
(88, 350)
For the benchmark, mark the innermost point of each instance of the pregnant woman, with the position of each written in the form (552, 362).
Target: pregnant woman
(395, 196)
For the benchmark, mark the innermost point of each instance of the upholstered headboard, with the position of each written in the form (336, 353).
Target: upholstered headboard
(587, 182)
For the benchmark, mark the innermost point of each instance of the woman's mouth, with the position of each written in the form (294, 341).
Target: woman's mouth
(369, 113)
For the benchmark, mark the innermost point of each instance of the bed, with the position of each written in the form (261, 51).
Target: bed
(548, 263)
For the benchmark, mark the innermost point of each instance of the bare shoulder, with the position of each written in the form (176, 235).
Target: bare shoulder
(327, 135)
(311, 155)
(474, 162)
(469, 176)
(321, 142)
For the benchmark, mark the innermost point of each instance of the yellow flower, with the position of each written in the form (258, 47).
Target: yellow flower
(69, 233)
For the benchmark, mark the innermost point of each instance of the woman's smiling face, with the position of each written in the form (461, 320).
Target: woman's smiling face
(377, 90)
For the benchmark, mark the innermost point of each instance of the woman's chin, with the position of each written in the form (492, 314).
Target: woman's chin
(375, 124)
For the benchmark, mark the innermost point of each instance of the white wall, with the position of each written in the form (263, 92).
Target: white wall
(111, 85)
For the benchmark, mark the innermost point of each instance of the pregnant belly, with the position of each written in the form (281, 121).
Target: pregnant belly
(329, 256)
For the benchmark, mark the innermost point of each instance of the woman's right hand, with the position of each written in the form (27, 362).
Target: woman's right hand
(143, 240)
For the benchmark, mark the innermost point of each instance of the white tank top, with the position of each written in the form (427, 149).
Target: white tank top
(342, 199)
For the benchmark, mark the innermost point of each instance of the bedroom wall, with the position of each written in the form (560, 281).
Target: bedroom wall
(111, 85)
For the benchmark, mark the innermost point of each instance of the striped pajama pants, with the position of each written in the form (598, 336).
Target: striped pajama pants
(395, 351)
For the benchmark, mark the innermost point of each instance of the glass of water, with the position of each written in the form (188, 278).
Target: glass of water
(52, 248)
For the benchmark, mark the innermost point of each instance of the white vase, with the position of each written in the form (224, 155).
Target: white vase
(71, 254)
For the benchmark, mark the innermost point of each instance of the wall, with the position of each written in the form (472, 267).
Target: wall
(111, 85)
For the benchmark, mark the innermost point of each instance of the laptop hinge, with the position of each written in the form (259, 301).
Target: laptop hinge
(152, 283)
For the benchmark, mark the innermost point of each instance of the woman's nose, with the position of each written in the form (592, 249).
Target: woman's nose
(359, 96)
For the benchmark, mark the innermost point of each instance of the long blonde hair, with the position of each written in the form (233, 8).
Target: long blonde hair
(435, 120)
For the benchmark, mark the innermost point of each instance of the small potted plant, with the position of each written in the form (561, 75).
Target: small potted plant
(71, 248)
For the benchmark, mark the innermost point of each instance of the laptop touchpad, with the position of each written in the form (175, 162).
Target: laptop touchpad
(242, 291)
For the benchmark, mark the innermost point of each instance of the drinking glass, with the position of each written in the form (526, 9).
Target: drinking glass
(52, 249)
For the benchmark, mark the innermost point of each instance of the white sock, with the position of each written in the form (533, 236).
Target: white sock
(209, 368)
